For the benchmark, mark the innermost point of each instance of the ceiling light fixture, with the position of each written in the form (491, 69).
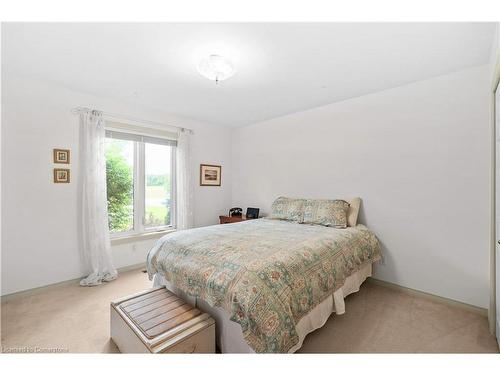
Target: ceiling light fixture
(216, 68)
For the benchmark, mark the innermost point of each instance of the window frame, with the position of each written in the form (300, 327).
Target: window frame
(139, 192)
(173, 171)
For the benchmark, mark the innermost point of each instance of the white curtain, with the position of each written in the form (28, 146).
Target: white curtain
(184, 186)
(95, 244)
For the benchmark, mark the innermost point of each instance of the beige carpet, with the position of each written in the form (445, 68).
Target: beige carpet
(378, 319)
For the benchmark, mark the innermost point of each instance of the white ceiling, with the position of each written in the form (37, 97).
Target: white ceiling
(281, 67)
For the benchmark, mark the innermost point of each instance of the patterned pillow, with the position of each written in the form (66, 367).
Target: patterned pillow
(284, 208)
(327, 212)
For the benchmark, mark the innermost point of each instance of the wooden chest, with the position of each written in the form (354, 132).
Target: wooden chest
(157, 321)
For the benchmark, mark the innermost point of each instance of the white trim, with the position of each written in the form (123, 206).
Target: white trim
(140, 236)
(493, 234)
(492, 313)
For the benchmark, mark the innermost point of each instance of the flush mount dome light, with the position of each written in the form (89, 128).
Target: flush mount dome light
(216, 68)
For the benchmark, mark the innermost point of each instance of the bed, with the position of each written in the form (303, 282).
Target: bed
(267, 283)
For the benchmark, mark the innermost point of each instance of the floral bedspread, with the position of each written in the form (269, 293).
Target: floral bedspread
(267, 274)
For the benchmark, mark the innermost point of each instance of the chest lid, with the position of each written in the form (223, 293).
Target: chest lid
(158, 315)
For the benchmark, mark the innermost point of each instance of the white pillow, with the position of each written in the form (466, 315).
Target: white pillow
(352, 214)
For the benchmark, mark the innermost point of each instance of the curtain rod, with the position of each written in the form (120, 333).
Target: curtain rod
(78, 110)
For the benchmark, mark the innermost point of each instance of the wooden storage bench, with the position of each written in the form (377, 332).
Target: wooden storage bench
(157, 321)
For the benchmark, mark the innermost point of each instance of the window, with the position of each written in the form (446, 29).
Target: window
(120, 184)
(158, 194)
(140, 176)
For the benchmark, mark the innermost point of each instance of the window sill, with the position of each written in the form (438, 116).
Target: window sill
(139, 237)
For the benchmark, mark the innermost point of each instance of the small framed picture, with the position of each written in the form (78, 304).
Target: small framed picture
(252, 213)
(210, 175)
(61, 156)
(61, 176)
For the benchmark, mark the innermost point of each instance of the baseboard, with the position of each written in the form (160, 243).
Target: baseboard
(65, 282)
(451, 302)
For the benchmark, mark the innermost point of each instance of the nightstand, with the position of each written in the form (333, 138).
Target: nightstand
(223, 219)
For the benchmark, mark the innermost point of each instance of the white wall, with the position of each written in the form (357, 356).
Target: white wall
(418, 155)
(39, 218)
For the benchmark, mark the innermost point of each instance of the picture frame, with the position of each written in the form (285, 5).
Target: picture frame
(252, 213)
(61, 156)
(61, 176)
(210, 175)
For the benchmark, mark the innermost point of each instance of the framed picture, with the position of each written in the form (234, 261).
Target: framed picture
(61, 176)
(252, 213)
(210, 175)
(61, 156)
